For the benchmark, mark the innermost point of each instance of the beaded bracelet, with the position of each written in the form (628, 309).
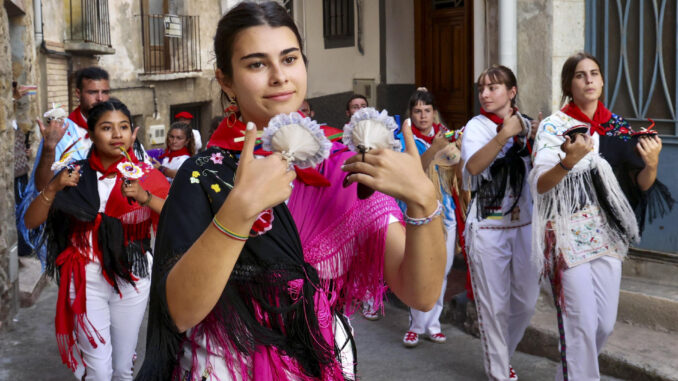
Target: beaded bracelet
(424, 220)
(563, 166)
(225, 231)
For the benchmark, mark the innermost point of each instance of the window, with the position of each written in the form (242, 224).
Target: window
(338, 29)
(635, 43)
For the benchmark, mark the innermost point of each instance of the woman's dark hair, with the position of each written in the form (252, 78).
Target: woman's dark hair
(421, 95)
(113, 104)
(502, 75)
(567, 74)
(243, 16)
(188, 132)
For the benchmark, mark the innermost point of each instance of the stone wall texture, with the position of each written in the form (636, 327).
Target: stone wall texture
(17, 63)
(8, 286)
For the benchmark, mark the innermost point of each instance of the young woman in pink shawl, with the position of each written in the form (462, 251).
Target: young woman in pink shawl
(248, 287)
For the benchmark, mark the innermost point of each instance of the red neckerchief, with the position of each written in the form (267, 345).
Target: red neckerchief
(427, 139)
(225, 135)
(172, 154)
(492, 116)
(602, 115)
(77, 118)
(500, 123)
(95, 163)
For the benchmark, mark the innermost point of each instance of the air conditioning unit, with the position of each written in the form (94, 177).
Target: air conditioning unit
(366, 87)
(156, 134)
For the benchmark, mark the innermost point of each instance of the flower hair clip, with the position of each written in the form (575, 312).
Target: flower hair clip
(370, 129)
(299, 139)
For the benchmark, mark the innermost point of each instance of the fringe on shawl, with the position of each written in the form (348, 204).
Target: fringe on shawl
(349, 254)
(655, 203)
(596, 185)
(229, 337)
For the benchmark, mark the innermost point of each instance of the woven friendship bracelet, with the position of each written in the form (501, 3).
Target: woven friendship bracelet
(225, 231)
(424, 220)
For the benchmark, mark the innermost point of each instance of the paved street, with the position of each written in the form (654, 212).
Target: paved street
(28, 350)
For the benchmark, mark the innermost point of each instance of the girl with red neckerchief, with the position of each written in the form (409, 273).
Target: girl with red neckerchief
(593, 179)
(440, 159)
(179, 146)
(495, 152)
(100, 213)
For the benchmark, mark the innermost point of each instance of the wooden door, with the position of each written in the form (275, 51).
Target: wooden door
(444, 56)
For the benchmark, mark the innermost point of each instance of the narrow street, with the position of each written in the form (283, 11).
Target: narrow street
(28, 350)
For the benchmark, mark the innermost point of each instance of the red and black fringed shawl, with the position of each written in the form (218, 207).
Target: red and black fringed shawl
(265, 320)
(118, 238)
(618, 142)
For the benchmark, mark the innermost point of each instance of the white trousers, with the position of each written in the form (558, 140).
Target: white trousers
(591, 294)
(429, 322)
(506, 286)
(117, 319)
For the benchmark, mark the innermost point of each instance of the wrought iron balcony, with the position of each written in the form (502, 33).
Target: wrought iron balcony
(88, 27)
(171, 44)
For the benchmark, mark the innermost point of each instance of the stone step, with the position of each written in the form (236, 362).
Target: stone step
(648, 303)
(632, 352)
(32, 280)
(660, 267)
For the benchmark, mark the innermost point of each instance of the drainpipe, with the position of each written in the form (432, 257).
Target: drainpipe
(37, 20)
(508, 34)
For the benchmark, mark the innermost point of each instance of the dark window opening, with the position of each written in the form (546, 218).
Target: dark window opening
(338, 23)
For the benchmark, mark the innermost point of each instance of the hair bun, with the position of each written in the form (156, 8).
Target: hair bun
(422, 89)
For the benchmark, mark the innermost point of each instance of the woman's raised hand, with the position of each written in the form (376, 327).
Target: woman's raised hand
(649, 148)
(397, 174)
(261, 183)
(576, 149)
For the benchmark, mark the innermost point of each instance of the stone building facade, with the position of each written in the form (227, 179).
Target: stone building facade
(17, 63)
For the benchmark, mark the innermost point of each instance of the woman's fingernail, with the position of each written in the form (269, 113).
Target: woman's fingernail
(346, 182)
(250, 126)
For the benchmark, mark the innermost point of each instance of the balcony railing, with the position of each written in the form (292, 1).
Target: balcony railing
(89, 27)
(171, 44)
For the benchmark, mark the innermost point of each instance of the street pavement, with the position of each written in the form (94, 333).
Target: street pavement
(28, 350)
